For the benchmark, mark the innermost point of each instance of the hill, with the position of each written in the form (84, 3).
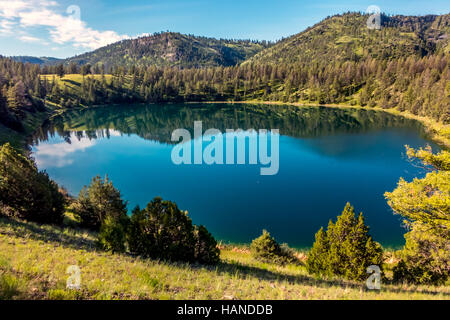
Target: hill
(171, 49)
(37, 60)
(34, 259)
(347, 38)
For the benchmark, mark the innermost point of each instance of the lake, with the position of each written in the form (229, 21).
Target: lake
(327, 157)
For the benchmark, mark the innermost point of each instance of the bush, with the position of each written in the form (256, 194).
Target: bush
(27, 193)
(346, 250)
(97, 202)
(112, 235)
(266, 249)
(206, 250)
(162, 231)
(425, 259)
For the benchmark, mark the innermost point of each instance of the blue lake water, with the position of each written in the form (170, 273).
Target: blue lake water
(327, 157)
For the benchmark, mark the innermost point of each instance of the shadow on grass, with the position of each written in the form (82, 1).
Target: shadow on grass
(26, 230)
(242, 271)
(47, 233)
(72, 82)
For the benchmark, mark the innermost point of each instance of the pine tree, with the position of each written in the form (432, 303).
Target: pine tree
(346, 250)
(12, 99)
(316, 263)
(266, 249)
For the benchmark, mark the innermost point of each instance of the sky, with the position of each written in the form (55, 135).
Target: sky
(64, 28)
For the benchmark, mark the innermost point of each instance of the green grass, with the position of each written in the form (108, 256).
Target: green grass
(73, 81)
(34, 260)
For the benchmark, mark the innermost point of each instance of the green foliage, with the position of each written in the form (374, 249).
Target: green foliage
(98, 201)
(112, 235)
(162, 231)
(440, 161)
(171, 49)
(425, 200)
(425, 204)
(8, 286)
(345, 37)
(317, 262)
(266, 249)
(346, 250)
(25, 192)
(404, 66)
(425, 259)
(205, 250)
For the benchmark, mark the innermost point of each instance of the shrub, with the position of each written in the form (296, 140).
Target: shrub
(425, 258)
(98, 201)
(112, 235)
(206, 250)
(346, 249)
(266, 249)
(27, 193)
(163, 231)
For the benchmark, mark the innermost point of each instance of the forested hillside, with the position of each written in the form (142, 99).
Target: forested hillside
(346, 38)
(171, 49)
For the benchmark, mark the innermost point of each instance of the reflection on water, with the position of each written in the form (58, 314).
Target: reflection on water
(157, 122)
(58, 154)
(327, 157)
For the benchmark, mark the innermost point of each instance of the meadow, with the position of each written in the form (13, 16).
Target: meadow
(34, 259)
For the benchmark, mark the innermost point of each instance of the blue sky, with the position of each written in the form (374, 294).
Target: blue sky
(45, 28)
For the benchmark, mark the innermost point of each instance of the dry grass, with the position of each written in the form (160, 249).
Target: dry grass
(34, 260)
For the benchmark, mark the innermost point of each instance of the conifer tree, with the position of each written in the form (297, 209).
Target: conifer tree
(346, 250)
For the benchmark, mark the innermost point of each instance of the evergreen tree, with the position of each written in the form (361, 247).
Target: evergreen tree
(163, 231)
(99, 201)
(25, 192)
(60, 71)
(317, 257)
(346, 250)
(266, 249)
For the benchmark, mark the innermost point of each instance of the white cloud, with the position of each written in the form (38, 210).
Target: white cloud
(58, 154)
(29, 39)
(6, 27)
(63, 28)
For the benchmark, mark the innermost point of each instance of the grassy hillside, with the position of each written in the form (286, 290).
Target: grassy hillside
(34, 260)
(171, 49)
(347, 38)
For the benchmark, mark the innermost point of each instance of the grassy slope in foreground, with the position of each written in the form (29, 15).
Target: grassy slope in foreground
(34, 260)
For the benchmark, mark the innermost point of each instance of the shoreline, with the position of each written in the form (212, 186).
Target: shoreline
(436, 132)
